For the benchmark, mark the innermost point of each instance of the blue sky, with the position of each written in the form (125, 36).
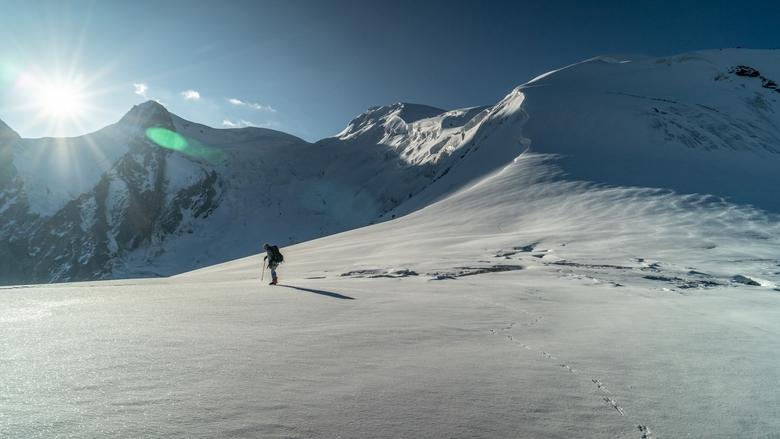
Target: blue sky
(308, 67)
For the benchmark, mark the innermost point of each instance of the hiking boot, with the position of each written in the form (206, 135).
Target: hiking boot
(273, 282)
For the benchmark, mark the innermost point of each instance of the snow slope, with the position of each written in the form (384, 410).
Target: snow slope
(689, 123)
(541, 278)
(703, 122)
(521, 306)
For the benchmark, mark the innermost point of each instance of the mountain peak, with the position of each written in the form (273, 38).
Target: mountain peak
(387, 118)
(6, 133)
(408, 112)
(148, 114)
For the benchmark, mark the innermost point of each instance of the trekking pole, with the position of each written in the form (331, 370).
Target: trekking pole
(262, 274)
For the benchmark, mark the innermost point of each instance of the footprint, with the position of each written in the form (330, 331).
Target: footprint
(600, 386)
(645, 430)
(615, 405)
(569, 368)
(608, 399)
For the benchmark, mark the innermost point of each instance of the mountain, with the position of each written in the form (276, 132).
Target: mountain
(551, 272)
(155, 195)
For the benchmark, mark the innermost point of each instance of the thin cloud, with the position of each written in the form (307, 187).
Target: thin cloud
(241, 123)
(252, 105)
(191, 95)
(141, 89)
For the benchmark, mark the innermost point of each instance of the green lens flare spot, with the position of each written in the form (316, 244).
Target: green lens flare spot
(172, 140)
(167, 138)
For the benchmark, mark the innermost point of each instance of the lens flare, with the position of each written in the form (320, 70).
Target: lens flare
(172, 140)
(167, 138)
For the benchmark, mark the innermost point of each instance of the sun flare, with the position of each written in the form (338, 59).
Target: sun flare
(61, 100)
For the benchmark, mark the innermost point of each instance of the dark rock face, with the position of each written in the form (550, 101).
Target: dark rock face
(750, 72)
(154, 204)
(83, 239)
(744, 280)
(201, 199)
(131, 205)
(14, 214)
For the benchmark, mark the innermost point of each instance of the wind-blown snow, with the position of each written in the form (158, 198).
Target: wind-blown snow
(686, 123)
(542, 280)
(585, 311)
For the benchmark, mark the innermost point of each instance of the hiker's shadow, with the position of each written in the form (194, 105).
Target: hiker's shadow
(322, 292)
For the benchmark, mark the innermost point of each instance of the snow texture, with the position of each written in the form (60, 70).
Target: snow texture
(578, 264)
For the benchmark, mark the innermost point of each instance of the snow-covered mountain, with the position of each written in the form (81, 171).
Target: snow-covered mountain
(597, 255)
(155, 194)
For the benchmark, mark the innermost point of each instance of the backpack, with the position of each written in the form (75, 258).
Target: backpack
(276, 255)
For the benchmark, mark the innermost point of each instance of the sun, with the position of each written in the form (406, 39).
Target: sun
(60, 100)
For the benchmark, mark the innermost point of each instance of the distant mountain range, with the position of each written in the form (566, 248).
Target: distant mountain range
(156, 195)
